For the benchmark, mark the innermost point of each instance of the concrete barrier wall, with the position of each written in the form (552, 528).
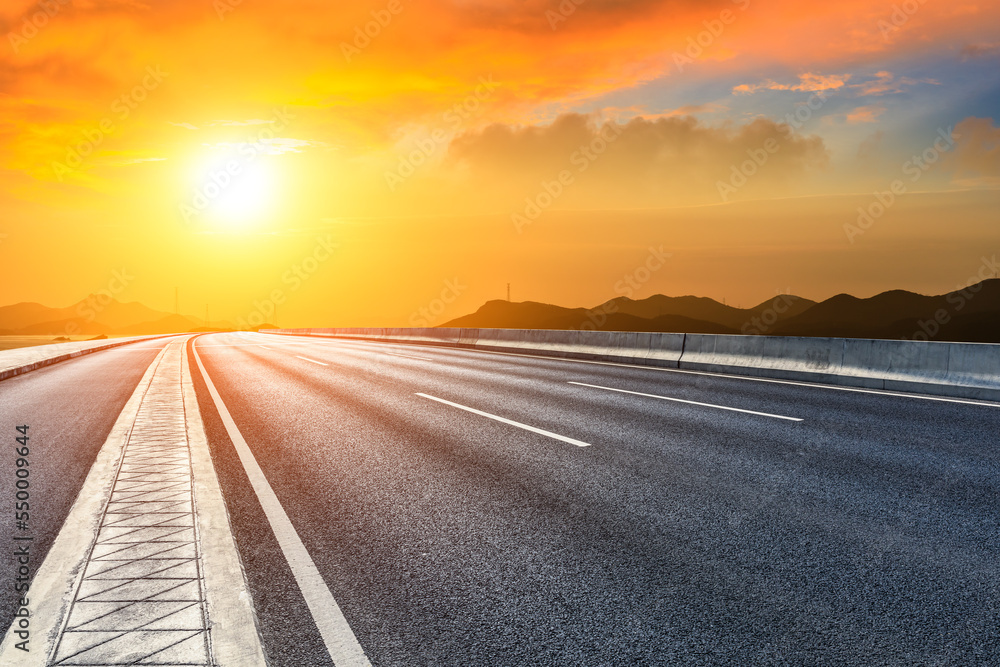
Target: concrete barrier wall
(24, 359)
(613, 346)
(968, 370)
(597, 345)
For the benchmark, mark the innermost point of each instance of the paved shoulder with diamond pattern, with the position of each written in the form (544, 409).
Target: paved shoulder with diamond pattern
(157, 579)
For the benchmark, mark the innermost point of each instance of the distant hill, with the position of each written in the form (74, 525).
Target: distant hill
(960, 315)
(168, 324)
(971, 314)
(75, 326)
(705, 309)
(26, 314)
(118, 315)
(96, 315)
(532, 315)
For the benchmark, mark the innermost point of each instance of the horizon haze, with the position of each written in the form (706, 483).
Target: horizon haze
(354, 164)
(970, 313)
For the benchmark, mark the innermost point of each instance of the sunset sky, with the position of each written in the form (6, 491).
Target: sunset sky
(360, 161)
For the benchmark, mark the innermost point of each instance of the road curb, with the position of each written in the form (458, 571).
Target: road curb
(55, 582)
(145, 569)
(21, 370)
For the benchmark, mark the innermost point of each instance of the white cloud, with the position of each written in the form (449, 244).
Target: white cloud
(275, 146)
(239, 123)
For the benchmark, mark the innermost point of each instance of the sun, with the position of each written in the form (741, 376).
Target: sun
(234, 194)
(248, 196)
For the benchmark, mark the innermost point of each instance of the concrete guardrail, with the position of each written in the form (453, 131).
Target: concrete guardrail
(965, 370)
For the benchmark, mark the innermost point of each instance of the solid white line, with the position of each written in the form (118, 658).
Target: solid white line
(408, 356)
(681, 400)
(235, 638)
(246, 344)
(264, 346)
(333, 627)
(549, 434)
(312, 360)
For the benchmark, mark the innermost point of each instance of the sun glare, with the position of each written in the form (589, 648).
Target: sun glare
(247, 197)
(234, 194)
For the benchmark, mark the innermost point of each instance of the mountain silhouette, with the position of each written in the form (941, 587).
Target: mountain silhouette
(902, 314)
(968, 314)
(533, 315)
(26, 314)
(98, 314)
(708, 310)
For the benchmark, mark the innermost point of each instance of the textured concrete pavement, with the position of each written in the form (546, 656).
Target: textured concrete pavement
(70, 408)
(144, 589)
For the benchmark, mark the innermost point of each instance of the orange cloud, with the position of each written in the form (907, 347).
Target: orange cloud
(870, 144)
(641, 163)
(980, 50)
(886, 83)
(865, 114)
(368, 87)
(807, 82)
(975, 159)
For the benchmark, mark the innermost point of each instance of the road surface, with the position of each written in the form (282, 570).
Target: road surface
(472, 508)
(866, 533)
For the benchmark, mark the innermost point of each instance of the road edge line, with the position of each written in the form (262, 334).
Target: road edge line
(56, 581)
(335, 631)
(234, 630)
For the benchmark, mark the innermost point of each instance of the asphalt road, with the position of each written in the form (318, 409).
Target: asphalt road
(69, 408)
(682, 534)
